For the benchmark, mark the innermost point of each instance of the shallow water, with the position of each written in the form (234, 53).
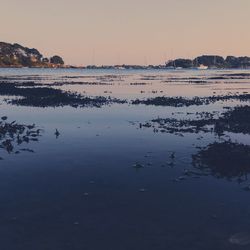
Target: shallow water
(80, 190)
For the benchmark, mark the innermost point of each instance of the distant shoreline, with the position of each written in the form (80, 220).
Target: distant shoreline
(155, 67)
(18, 56)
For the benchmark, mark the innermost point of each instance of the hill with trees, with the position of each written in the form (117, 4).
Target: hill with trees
(211, 61)
(16, 55)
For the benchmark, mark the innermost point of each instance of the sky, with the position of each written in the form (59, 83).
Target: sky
(105, 32)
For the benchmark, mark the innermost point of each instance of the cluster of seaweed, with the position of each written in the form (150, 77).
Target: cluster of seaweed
(235, 120)
(232, 76)
(50, 97)
(171, 125)
(13, 134)
(223, 160)
(204, 79)
(169, 101)
(60, 84)
(186, 102)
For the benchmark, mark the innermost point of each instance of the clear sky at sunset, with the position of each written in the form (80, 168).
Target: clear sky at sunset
(127, 31)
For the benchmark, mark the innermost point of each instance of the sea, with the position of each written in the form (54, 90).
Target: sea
(107, 182)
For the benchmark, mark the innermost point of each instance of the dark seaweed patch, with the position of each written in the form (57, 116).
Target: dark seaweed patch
(185, 102)
(169, 101)
(13, 134)
(224, 160)
(236, 120)
(50, 97)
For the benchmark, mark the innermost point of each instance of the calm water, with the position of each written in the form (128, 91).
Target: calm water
(80, 190)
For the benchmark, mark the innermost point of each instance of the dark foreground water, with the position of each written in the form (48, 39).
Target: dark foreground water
(105, 183)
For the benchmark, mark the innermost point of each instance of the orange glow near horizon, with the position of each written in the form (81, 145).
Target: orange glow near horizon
(131, 32)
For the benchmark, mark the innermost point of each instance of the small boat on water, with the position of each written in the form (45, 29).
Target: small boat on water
(202, 67)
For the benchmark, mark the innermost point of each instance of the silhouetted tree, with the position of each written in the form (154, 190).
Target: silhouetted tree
(56, 60)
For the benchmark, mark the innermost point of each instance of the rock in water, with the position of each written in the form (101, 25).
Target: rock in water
(4, 118)
(241, 239)
(57, 133)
